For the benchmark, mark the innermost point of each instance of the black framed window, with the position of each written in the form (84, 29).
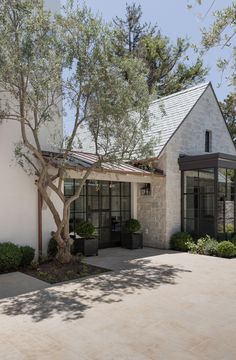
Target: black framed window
(226, 202)
(208, 140)
(107, 205)
(198, 201)
(208, 202)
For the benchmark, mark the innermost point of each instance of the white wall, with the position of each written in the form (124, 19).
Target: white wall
(18, 193)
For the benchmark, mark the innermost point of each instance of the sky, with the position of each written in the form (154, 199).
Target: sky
(175, 20)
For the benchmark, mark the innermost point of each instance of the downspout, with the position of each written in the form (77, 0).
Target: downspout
(40, 237)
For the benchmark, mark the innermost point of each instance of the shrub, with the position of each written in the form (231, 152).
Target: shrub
(210, 247)
(27, 255)
(233, 240)
(192, 247)
(85, 229)
(10, 256)
(229, 228)
(132, 226)
(226, 249)
(180, 241)
(205, 246)
(52, 247)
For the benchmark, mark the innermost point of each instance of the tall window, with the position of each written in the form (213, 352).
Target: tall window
(208, 139)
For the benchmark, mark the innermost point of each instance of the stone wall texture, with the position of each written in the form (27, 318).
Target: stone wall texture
(161, 212)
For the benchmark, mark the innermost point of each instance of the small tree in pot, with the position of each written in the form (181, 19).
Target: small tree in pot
(133, 238)
(87, 244)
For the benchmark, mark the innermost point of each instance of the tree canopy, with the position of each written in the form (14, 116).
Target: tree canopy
(169, 67)
(36, 48)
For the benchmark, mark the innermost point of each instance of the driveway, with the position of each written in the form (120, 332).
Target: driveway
(153, 305)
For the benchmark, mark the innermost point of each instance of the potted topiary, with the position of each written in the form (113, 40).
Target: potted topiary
(132, 237)
(86, 243)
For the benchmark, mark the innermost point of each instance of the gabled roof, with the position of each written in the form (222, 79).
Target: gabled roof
(167, 114)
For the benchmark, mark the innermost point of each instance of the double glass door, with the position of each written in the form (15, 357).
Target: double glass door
(105, 204)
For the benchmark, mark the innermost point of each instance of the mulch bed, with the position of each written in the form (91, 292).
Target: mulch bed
(53, 272)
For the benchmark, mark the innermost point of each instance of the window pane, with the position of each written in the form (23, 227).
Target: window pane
(68, 187)
(105, 202)
(190, 181)
(104, 188)
(115, 189)
(93, 217)
(77, 183)
(222, 181)
(125, 189)
(93, 188)
(115, 203)
(190, 205)
(125, 204)
(80, 204)
(115, 221)
(189, 226)
(206, 181)
(92, 203)
(229, 226)
(207, 205)
(230, 184)
(105, 219)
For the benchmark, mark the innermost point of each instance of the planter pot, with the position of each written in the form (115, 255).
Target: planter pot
(132, 241)
(86, 246)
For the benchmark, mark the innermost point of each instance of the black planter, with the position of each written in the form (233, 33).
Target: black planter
(132, 241)
(86, 246)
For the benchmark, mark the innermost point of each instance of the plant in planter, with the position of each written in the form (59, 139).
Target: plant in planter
(87, 244)
(132, 238)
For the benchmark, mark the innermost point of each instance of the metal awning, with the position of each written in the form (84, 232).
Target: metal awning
(211, 160)
(85, 160)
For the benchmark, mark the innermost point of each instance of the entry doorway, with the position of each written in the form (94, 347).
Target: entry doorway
(106, 204)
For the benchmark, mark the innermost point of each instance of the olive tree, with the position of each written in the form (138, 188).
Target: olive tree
(46, 60)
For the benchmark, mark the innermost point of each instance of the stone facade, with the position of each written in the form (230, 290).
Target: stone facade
(160, 215)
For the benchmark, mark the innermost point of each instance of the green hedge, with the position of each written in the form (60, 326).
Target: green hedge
(179, 241)
(10, 256)
(226, 249)
(85, 229)
(27, 255)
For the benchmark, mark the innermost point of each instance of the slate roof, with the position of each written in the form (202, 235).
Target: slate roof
(167, 113)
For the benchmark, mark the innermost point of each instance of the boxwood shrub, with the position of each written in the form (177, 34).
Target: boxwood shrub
(226, 249)
(179, 241)
(85, 229)
(27, 255)
(10, 256)
(132, 226)
(52, 247)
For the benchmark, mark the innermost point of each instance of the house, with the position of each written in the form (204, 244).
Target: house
(191, 185)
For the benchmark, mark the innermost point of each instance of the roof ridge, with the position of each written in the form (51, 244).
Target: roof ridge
(203, 85)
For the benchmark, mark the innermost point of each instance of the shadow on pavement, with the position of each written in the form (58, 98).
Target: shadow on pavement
(71, 301)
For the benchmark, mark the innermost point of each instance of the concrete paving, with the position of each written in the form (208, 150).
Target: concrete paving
(154, 305)
(17, 283)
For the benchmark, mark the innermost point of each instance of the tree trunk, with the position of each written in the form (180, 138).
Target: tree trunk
(63, 255)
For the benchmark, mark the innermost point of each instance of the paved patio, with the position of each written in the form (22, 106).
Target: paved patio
(154, 305)
(17, 283)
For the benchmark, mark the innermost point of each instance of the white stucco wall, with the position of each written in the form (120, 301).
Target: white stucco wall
(18, 193)
(189, 139)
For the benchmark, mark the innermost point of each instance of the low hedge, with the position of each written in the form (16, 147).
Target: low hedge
(179, 241)
(10, 256)
(226, 249)
(27, 255)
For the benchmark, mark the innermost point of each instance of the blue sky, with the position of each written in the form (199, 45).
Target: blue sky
(175, 20)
